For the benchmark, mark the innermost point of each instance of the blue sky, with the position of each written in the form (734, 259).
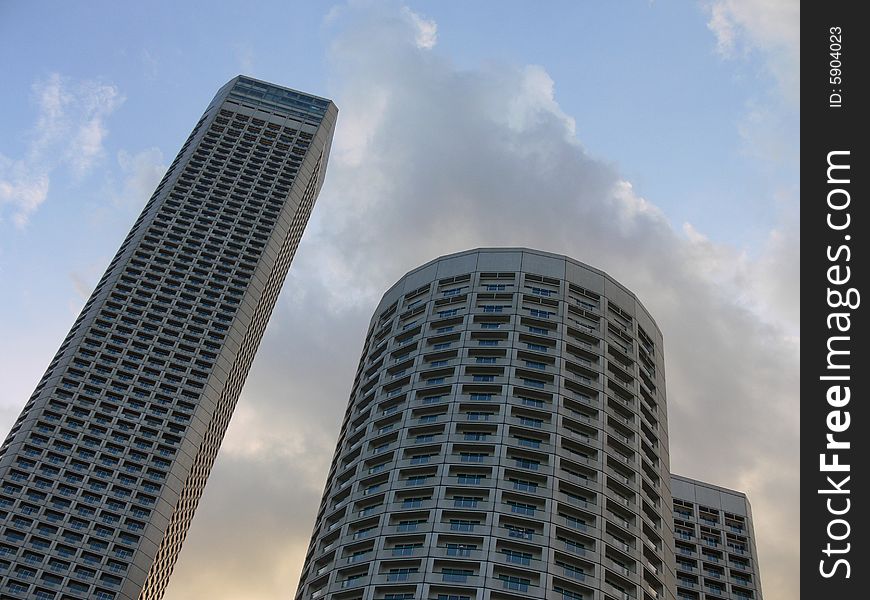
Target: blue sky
(658, 140)
(644, 81)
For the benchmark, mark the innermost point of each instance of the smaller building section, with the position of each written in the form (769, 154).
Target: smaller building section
(714, 542)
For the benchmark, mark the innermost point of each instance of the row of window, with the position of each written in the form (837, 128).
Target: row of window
(148, 351)
(425, 463)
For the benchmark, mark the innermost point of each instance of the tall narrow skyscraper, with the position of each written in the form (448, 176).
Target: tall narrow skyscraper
(104, 468)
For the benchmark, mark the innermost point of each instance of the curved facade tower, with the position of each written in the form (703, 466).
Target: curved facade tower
(506, 437)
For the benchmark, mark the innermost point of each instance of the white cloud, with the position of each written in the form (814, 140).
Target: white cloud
(69, 132)
(86, 146)
(22, 189)
(722, 27)
(426, 30)
(768, 31)
(92, 102)
(537, 100)
(755, 23)
(429, 160)
(364, 120)
(142, 172)
(769, 26)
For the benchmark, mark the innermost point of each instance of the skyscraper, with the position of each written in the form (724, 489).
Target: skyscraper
(103, 470)
(506, 437)
(714, 542)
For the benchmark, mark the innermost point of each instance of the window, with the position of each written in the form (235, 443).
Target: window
(409, 525)
(363, 532)
(485, 360)
(460, 549)
(352, 579)
(401, 574)
(357, 556)
(526, 463)
(512, 582)
(462, 525)
(575, 547)
(469, 479)
(16, 588)
(520, 532)
(476, 457)
(572, 571)
(478, 416)
(405, 549)
(521, 508)
(575, 523)
(520, 558)
(456, 575)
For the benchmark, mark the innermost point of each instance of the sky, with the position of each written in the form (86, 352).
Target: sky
(656, 140)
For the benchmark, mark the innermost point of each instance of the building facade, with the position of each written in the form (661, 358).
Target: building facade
(714, 542)
(506, 437)
(102, 472)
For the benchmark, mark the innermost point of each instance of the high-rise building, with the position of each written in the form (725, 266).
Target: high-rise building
(102, 472)
(714, 542)
(506, 437)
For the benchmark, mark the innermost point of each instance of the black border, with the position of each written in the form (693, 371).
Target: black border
(826, 128)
